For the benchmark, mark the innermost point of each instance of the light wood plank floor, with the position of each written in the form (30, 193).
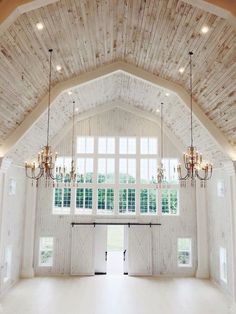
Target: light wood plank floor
(114, 295)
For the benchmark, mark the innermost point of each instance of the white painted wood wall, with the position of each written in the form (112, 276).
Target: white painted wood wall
(11, 223)
(164, 238)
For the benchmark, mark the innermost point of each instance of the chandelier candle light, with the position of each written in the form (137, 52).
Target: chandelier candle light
(193, 162)
(46, 158)
(160, 169)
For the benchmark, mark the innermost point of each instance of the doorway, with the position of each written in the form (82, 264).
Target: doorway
(115, 250)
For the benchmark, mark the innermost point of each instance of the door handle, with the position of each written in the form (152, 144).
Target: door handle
(124, 254)
(106, 256)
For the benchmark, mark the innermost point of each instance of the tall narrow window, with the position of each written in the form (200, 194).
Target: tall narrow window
(106, 170)
(85, 145)
(170, 201)
(7, 264)
(84, 170)
(148, 170)
(184, 252)
(148, 146)
(223, 264)
(127, 145)
(105, 200)
(148, 201)
(84, 201)
(170, 166)
(46, 251)
(127, 201)
(106, 145)
(62, 201)
(127, 170)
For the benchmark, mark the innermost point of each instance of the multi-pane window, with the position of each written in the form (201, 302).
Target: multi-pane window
(223, 264)
(106, 145)
(148, 170)
(46, 251)
(62, 201)
(85, 145)
(84, 200)
(106, 170)
(123, 167)
(127, 145)
(170, 173)
(170, 201)
(7, 264)
(105, 200)
(85, 170)
(148, 146)
(184, 252)
(127, 170)
(62, 165)
(148, 201)
(127, 201)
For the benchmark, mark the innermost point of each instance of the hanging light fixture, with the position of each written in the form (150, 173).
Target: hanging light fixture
(160, 169)
(193, 162)
(71, 176)
(46, 158)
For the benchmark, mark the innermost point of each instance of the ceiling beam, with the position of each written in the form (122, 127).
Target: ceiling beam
(217, 136)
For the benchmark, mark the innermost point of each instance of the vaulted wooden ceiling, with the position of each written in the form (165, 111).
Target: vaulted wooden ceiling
(152, 35)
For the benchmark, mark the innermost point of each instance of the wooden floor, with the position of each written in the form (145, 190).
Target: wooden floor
(114, 295)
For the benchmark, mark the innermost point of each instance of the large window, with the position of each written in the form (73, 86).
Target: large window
(106, 145)
(170, 202)
(106, 170)
(46, 251)
(127, 171)
(85, 170)
(223, 264)
(127, 201)
(148, 201)
(117, 175)
(184, 252)
(105, 198)
(84, 200)
(62, 201)
(85, 145)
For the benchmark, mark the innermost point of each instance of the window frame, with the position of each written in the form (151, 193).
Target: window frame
(40, 264)
(184, 251)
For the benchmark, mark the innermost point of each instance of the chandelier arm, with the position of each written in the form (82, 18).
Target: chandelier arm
(180, 177)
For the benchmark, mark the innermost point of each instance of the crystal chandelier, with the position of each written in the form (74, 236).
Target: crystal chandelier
(193, 162)
(46, 158)
(160, 169)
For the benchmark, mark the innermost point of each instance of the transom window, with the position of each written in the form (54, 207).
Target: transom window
(117, 175)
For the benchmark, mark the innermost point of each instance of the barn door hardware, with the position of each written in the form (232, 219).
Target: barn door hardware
(113, 224)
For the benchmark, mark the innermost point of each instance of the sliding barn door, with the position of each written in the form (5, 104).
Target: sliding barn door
(140, 250)
(82, 250)
(100, 250)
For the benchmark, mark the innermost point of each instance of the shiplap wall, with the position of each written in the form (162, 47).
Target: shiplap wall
(118, 122)
(11, 223)
(220, 226)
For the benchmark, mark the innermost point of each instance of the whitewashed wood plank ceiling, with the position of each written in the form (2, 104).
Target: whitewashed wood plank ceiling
(154, 35)
(108, 90)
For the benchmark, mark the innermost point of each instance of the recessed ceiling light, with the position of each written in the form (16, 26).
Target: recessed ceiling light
(58, 67)
(181, 70)
(204, 29)
(70, 92)
(39, 26)
(76, 109)
(157, 110)
(167, 94)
